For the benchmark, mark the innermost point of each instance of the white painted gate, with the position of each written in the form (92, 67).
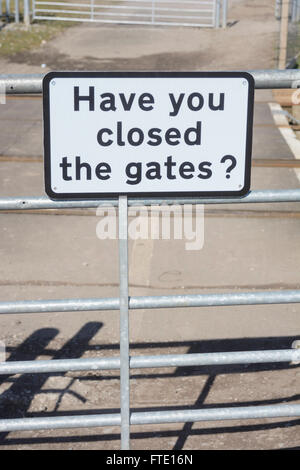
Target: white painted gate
(197, 13)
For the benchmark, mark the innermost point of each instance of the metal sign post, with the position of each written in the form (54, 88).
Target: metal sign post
(124, 321)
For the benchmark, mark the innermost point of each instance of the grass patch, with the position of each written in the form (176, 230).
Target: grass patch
(18, 38)
(15, 38)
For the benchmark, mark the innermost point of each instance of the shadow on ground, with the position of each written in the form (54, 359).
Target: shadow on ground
(55, 60)
(15, 401)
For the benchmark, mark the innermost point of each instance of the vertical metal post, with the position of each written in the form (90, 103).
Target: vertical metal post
(278, 9)
(225, 11)
(17, 14)
(217, 17)
(293, 12)
(7, 6)
(124, 322)
(153, 11)
(213, 19)
(283, 34)
(92, 9)
(26, 13)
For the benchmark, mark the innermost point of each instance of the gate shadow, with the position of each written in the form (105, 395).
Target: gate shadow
(21, 389)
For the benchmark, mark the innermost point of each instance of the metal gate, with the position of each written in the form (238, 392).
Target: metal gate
(294, 10)
(32, 84)
(199, 13)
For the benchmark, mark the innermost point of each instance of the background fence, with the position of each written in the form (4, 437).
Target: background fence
(201, 13)
(294, 10)
(198, 13)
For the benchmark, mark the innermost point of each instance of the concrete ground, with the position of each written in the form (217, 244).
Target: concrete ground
(57, 255)
(250, 41)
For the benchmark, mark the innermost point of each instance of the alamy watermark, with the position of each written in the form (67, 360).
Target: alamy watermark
(2, 93)
(165, 222)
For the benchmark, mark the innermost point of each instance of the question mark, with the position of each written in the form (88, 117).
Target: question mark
(231, 166)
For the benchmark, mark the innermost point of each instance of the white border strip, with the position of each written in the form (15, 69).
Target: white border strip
(287, 132)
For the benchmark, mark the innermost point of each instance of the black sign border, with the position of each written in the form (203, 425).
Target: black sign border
(205, 194)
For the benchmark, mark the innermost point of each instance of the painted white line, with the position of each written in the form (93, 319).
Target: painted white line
(287, 132)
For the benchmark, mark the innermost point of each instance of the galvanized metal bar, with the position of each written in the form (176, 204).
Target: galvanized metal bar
(118, 7)
(225, 13)
(253, 197)
(214, 13)
(30, 424)
(124, 323)
(92, 9)
(59, 365)
(277, 9)
(184, 416)
(217, 14)
(199, 19)
(201, 359)
(283, 34)
(192, 2)
(264, 79)
(159, 23)
(17, 13)
(26, 12)
(146, 362)
(84, 5)
(153, 302)
(293, 10)
(66, 305)
(22, 83)
(145, 14)
(151, 417)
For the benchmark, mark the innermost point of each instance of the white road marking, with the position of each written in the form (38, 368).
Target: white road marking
(287, 132)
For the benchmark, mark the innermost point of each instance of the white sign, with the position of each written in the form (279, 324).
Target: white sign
(139, 133)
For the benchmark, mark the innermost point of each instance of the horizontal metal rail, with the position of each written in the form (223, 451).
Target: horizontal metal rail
(264, 79)
(158, 2)
(117, 7)
(35, 203)
(151, 417)
(141, 14)
(153, 302)
(143, 362)
(84, 5)
(160, 23)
